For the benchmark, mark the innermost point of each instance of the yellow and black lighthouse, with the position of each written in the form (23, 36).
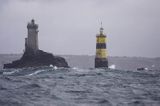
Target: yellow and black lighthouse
(101, 58)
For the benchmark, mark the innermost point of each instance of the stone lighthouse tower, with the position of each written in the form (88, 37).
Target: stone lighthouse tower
(31, 42)
(101, 59)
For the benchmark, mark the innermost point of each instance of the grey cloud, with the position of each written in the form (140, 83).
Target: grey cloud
(3, 3)
(70, 26)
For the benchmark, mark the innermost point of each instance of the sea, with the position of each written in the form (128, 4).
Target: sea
(52, 86)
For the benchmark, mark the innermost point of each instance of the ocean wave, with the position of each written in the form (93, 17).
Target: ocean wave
(36, 72)
(11, 72)
(43, 86)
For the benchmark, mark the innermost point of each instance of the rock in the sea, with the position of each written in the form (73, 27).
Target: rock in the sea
(33, 57)
(40, 58)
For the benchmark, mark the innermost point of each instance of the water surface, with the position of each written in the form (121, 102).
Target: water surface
(47, 86)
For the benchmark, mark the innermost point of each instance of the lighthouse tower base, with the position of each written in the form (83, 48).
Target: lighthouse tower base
(101, 63)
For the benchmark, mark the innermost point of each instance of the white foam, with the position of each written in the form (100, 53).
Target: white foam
(36, 72)
(9, 73)
(74, 68)
(55, 67)
(50, 65)
(113, 66)
(145, 68)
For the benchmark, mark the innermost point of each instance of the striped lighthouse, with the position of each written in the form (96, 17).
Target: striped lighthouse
(101, 58)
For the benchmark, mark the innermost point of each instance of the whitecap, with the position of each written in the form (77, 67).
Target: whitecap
(10, 73)
(55, 67)
(145, 68)
(74, 68)
(36, 72)
(113, 66)
(50, 65)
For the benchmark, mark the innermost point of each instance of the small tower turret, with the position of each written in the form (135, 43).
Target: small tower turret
(31, 42)
(101, 59)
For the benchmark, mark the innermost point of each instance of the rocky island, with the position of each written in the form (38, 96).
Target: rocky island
(33, 57)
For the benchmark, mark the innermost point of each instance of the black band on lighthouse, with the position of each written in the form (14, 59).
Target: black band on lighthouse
(101, 46)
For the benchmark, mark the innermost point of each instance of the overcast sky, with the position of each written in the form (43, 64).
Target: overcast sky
(70, 26)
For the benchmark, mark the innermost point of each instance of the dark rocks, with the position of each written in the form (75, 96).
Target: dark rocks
(142, 68)
(40, 58)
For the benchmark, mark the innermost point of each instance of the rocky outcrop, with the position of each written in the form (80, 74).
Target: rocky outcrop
(40, 58)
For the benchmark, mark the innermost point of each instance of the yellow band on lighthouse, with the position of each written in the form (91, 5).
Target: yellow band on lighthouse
(101, 53)
(101, 39)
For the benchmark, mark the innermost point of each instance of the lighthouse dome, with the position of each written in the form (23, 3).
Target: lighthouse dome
(32, 25)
